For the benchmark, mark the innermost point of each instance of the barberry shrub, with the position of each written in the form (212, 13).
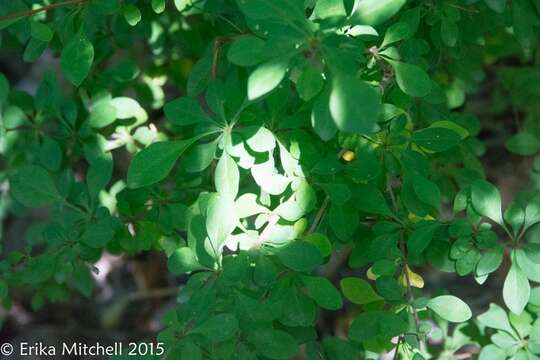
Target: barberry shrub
(302, 166)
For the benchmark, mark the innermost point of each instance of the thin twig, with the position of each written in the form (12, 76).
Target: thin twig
(152, 294)
(319, 215)
(38, 10)
(473, 11)
(396, 350)
(410, 296)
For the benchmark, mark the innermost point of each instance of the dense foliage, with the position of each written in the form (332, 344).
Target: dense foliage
(296, 158)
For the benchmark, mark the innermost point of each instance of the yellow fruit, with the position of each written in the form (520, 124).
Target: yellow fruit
(348, 156)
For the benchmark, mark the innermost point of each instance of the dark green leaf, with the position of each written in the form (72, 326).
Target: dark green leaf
(32, 186)
(77, 58)
(323, 292)
(218, 328)
(358, 291)
(436, 139)
(523, 143)
(411, 79)
(350, 114)
(155, 162)
(300, 255)
(486, 200)
(185, 111)
(246, 51)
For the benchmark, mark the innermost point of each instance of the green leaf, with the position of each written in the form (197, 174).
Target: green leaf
(338, 193)
(32, 186)
(183, 260)
(4, 291)
(492, 352)
(370, 200)
(266, 77)
(339, 349)
(451, 125)
(275, 344)
(516, 289)
(421, 237)
(218, 328)
(350, 114)
(321, 242)
(427, 191)
(103, 113)
(389, 288)
(375, 12)
(504, 340)
(300, 255)
(496, 5)
(321, 120)
(343, 221)
(132, 14)
(449, 31)
(50, 154)
(328, 8)
(490, 261)
(34, 49)
(524, 144)
(284, 10)
(246, 51)
(371, 325)
(127, 108)
(396, 32)
(41, 31)
(76, 59)
(450, 308)
(98, 233)
(323, 292)
(411, 79)
(158, 6)
(532, 212)
(310, 83)
(4, 89)
(496, 318)
(185, 111)
(227, 176)
(100, 167)
(154, 163)
(221, 220)
(486, 200)
(83, 281)
(358, 291)
(436, 139)
(181, 5)
(300, 309)
(526, 263)
(200, 156)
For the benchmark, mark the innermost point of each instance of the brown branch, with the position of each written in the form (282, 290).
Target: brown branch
(38, 10)
(218, 43)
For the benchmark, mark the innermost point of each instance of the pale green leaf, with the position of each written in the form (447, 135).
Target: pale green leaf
(450, 308)
(266, 77)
